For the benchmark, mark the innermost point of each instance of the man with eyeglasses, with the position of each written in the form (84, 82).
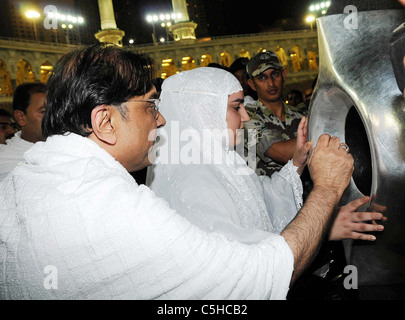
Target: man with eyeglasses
(29, 109)
(7, 126)
(275, 123)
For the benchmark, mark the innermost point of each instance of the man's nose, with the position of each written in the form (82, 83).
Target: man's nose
(161, 121)
(270, 82)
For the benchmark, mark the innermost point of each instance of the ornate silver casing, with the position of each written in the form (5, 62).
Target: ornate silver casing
(355, 71)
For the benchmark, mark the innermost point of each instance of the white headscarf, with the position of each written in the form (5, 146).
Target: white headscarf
(197, 100)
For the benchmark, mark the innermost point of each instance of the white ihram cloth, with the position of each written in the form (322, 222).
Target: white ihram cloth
(74, 209)
(227, 198)
(12, 153)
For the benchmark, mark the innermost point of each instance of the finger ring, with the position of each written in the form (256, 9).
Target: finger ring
(344, 146)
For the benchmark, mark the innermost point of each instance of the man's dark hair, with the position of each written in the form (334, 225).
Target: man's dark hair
(89, 77)
(239, 64)
(298, 94)
(217, 65)
(22, 94)
(5, 113)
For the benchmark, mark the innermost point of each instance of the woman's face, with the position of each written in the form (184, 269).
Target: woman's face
(236, 115)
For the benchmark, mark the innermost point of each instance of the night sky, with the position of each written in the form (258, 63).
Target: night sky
(250, 17)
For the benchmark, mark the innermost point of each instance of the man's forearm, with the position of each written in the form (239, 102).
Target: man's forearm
(305, 232)
(282, 151)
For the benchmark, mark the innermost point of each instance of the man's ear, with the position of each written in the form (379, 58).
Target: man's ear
(102, 124)
(251, 84)
(19, 116)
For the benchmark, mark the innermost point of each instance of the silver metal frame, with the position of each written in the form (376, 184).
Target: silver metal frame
(355, 70)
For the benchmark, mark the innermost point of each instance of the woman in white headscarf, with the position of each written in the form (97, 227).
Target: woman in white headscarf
(201, 175)
(205, 180)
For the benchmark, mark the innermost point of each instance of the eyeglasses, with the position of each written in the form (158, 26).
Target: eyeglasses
(5, 125)
(155, 105)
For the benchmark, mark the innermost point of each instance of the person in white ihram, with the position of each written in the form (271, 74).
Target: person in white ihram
(29, 109)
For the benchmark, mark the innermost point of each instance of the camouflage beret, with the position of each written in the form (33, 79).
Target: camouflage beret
(261, 62)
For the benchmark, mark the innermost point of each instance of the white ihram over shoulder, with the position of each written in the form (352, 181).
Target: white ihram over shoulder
(74, 209)
(12, 153)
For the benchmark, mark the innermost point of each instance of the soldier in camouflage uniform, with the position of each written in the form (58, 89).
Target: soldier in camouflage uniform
(275, 123)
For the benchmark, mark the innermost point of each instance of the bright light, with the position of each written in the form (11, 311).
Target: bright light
(63, 26)
(46, 68)
(70, 26)
(162, 39)
(169, 24)
(323, 11)
(63, 17)
(310, 19)
(319, 6)
(163, 17)
(32, 14)
(131, 41)
(163, 24)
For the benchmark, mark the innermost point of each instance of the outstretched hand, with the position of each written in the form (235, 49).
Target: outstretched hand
(303, 146)
(350, 224)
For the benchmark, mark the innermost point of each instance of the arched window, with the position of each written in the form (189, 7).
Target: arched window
(46, 69)
(206, 59)
(6, 87)
(282, 57)
(168, 68)
(24, 72)
(244, 54)
(226, 59)
(313, 64)
(187, 63)
(297, 57)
